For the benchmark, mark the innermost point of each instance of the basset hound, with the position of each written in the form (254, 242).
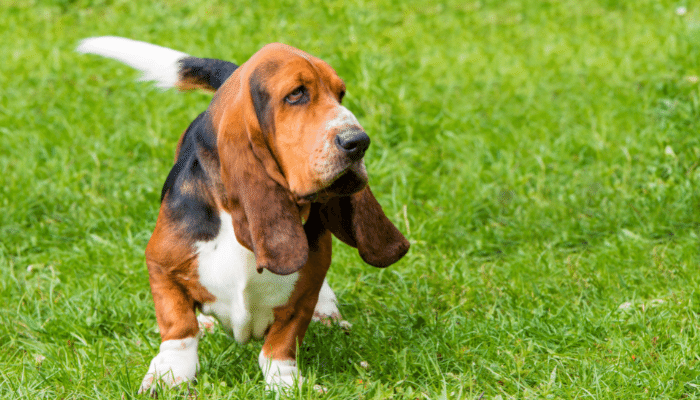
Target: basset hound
(260, 181)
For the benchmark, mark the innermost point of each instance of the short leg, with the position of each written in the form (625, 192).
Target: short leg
(278, 355)
(177, 362)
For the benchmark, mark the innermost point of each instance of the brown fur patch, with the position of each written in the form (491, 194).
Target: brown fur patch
(172, 271)
(191, 83)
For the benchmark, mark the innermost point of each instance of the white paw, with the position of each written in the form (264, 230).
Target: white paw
(345, 325)
(176, 363)
(320, 389)
(326, 310)
(206, 323)
(279, 375)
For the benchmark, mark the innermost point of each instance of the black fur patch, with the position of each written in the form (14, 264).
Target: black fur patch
(207, 71)
(314, 227)
(260, 95)
(186, 193)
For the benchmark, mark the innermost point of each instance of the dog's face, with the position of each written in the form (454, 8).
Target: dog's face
(318, 144)
(285, 144)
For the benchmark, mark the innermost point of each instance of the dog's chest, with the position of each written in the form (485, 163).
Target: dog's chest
(244, 298)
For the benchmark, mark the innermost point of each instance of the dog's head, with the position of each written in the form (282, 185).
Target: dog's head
(285, 141)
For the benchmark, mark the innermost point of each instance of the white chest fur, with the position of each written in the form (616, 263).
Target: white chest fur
(244, 298)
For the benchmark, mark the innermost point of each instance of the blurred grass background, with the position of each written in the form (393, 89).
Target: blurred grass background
(542, 157)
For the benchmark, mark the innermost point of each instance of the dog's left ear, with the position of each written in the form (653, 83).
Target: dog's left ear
(359, 221)
(265, 216)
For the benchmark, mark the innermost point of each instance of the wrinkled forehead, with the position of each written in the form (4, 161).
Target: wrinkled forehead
(279, 64)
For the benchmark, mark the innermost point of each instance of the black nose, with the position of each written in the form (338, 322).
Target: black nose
(353, 143)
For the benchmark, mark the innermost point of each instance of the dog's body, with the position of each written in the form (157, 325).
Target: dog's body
(274, 148)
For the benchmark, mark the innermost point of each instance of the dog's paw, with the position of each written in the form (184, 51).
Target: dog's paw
(206, 323)
(280, 375)
(326, 310)
(320, 389)
(176, 363)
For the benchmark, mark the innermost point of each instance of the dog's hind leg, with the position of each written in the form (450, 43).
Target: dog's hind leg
(326, 310)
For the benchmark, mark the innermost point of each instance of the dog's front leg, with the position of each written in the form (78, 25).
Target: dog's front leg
(278, 355)
(177, 361)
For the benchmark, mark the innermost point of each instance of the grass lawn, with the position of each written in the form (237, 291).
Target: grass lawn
(543, 158)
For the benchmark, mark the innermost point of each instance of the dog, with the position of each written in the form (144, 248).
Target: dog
(261, 180)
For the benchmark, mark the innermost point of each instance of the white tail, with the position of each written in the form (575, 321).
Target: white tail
(159, 64)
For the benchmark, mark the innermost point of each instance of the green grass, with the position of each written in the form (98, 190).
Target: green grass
(542, 157)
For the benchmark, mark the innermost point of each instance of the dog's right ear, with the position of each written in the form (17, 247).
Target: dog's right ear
(359, 221)
(265, 216)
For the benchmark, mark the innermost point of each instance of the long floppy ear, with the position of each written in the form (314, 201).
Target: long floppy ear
(359, 221)
(266, 219)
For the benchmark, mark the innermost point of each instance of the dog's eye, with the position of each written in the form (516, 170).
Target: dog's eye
(297, 96)
(341, 96)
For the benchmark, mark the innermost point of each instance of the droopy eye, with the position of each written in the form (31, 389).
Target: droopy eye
(297, 96)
